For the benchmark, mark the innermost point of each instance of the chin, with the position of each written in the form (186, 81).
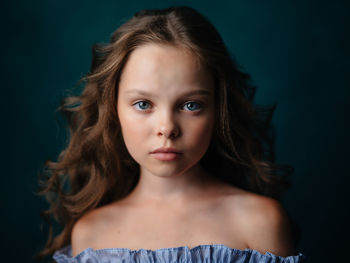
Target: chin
(166, 171)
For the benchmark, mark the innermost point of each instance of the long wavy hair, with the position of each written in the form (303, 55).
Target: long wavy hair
(95, 168)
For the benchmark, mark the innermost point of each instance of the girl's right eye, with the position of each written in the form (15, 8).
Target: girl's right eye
(142, 105)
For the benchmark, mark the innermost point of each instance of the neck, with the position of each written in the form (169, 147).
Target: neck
(174, 189)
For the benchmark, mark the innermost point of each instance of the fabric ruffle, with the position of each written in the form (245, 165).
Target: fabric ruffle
(203, 253)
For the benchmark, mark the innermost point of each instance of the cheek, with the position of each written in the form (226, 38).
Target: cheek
(133, 133)
(199, 134)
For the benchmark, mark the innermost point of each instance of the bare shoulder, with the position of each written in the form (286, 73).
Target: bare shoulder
(263, 222)
(88, 228)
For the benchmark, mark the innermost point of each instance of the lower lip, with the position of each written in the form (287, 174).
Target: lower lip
(166, 156)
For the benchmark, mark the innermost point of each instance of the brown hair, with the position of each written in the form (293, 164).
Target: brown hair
(96, 169)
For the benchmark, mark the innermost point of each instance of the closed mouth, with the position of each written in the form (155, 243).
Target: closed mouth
(166, 156)
(166, 150)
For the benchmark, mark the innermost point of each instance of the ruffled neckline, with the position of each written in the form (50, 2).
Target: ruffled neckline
(200, 253)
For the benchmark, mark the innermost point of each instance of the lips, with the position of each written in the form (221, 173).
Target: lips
(166, 154)
(166, 150)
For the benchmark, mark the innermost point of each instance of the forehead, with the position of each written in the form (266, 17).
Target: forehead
(154, 66)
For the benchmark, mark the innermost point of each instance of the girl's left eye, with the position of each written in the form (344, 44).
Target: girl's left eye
(192, 106)
(142, 105)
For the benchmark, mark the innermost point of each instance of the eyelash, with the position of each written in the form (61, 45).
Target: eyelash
(198, 103)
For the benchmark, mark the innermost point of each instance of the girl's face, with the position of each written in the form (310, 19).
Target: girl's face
(165, 99)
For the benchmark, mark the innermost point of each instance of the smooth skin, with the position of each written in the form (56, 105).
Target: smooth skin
(165, 99)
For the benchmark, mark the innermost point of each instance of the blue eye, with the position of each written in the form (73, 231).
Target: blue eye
(142, 105)
(192, 106)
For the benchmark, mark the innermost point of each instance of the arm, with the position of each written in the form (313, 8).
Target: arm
(268, 228)
(81, 235)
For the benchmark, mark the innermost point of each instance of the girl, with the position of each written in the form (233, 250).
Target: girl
(165, 161)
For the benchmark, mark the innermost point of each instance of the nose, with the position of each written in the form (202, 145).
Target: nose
(168, 127)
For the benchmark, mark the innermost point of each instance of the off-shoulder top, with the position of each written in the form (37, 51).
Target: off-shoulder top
(202, 253)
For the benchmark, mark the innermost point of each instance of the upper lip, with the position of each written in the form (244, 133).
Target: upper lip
(166, 150)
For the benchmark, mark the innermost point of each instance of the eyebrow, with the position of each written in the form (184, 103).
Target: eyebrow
(190, 93)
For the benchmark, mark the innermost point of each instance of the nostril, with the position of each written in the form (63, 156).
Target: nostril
(169, 133)
(167, 126)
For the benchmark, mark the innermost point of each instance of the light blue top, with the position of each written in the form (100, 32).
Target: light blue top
(199, 254)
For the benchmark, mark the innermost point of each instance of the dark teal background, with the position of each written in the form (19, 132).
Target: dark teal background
(297, 53)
